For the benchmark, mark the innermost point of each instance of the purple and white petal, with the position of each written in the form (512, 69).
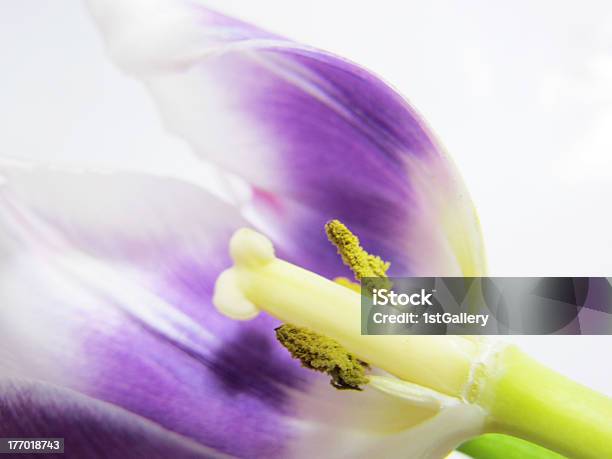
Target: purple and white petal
(316, 137)
(106, 284)
(90, 428)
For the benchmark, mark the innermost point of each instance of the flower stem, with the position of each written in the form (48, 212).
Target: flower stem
(496, 446)
(529, 401)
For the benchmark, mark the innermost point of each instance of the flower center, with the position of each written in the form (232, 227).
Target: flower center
(260, 281)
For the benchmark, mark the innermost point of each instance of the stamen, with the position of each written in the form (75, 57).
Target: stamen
(325, 355)
(354, 256)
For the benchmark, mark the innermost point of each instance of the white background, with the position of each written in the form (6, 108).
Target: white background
(519, 92)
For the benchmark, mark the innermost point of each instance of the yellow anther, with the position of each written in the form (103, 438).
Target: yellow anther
(363, 264)
(323, 354)
(354, 256)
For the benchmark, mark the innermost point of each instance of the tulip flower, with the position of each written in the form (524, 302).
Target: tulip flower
(108, 332)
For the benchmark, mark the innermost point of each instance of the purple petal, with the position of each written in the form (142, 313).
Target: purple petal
(91, 428)
(109, 280)
(316, 136)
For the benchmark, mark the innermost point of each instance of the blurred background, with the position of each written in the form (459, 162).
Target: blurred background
(520, 94)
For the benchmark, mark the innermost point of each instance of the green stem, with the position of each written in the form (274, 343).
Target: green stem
(496, 446)
(529, 401)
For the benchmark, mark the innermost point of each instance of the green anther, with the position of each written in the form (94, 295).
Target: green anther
(325, 355)
(354, 256)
